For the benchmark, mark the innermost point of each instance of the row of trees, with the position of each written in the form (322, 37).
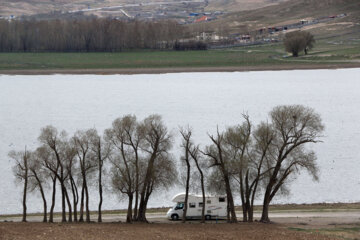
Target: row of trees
(85, 35)
(252, 161)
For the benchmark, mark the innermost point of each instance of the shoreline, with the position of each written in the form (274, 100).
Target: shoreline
(257, 208)
(135, 71)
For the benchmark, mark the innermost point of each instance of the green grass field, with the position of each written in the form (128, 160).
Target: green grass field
(135, 59)
(325, 52)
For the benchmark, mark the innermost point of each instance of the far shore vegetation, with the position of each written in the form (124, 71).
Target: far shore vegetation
(326, 52)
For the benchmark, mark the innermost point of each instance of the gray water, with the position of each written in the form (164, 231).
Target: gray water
(202, 100)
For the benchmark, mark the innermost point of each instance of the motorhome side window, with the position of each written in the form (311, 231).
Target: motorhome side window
(221, 199)
(208, 201)
(192, 205)
(201, 204)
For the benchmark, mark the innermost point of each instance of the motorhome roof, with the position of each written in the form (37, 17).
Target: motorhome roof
(180, 197)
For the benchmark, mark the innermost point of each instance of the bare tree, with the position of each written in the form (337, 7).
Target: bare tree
(157, 142)
(49, 162)
(70, 154)
(123, 173)
(237, 140)
(186, 144)
(249, 150)
(21, 172)
(295, 126)
(195, 155)
(38, 178)
(101, 150)
(125, 138)
(263, 137)
(219, 158)
(82, 143)
(51, 139)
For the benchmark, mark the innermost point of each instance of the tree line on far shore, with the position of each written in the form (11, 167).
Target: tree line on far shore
(253, 161)
(87, 35)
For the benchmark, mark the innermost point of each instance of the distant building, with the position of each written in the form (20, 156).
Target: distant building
(202, 19)
(208, 37)
(304, 21)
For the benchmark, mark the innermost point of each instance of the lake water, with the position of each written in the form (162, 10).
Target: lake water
(202, 100)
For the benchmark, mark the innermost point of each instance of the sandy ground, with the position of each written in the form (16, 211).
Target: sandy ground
(178, 69)
(151, 231)
(322, 217)
(287, 224)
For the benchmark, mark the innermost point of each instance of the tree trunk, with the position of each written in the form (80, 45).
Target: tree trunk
(203, 197)
(143, 203)
(251, 213)
(25, 192)
(142, 209)
(51, 218)
(42, 195)
(75, 198)
(136, 202)
(87, 203)
(69, 204)
(147, 181)
(100, 192)
(243, 201)
(265, 213)
(81, 219)
(136, 185)
(193, 155)
(129, 211)
(63, 203)
(247, 196)
(233, 218)
(266, 203)
(45, 205)
(187, 184)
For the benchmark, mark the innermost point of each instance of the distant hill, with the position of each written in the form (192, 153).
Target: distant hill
(240, 5)
(31, 7)
(293, 11)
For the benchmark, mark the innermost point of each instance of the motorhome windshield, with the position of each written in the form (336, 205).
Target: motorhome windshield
(179, 206)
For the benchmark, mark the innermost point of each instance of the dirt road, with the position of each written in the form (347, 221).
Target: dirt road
(323, 217)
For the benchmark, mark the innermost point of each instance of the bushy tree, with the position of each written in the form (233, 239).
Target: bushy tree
(294, 127)
(298, 41)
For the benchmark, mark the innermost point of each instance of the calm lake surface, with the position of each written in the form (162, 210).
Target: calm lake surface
(202, 100)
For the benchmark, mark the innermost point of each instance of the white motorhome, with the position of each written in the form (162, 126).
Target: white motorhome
(215, 207)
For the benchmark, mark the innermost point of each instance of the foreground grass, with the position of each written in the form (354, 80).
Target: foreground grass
(326, 52)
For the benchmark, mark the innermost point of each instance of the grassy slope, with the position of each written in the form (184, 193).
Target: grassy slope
(140, 59)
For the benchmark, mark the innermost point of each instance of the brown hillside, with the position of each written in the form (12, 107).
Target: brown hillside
(290, 12)
(30, 7)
